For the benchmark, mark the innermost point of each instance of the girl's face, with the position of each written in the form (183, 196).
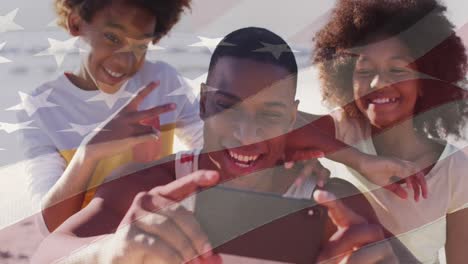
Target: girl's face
(385, 82)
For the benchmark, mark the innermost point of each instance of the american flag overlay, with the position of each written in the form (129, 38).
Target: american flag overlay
(46, 122)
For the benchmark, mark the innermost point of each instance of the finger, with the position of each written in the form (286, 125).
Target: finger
(416, 188)
(186, 222)
(152, 121)
(300, 155)
(323, 175)
(307, 170)
(398, 190)
(340, 214)
(289, 165)
(166, 229)
(348, 240)
(376, 253)
(155, 249)
(422, 182)
(214, 259)
(314, 154)
(183, 187)
(137, 117)
(136, 101)
(409, 184)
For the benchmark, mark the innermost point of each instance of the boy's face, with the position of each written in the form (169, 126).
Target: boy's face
(117, 39)
(246, 108)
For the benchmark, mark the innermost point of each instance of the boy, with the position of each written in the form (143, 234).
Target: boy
(115, 35)
(247, 104)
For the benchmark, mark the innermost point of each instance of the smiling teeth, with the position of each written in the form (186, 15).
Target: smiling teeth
(383, 100)
(243, 158)
(114, 74)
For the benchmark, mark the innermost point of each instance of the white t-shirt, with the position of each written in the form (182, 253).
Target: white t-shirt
(420, 226)
(65, 114)
(187, 162)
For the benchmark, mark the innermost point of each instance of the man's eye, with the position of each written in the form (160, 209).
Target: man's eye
(399, 71)
(223, 105)
(271, 116)
(364, 72)
(112, 38)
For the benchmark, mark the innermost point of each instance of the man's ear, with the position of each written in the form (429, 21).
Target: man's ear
(294, 117)
(74, 23)
(203, 90)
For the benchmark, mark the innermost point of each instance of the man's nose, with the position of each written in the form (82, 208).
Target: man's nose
(247, 132)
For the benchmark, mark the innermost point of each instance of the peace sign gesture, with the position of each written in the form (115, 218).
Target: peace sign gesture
(130, 128)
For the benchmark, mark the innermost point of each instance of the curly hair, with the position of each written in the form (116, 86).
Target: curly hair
(423, 27)
(167, 12)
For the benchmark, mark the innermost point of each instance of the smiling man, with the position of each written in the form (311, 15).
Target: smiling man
(248, 105)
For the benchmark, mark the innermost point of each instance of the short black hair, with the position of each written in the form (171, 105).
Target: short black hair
(244, 43)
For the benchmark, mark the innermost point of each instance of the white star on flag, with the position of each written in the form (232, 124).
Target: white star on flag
(53, 23)
(7, 23)
(31, 104)
(190, 87)
(10, 128)
(111, 99)
(83, 130)
(153, 47)
(2, 59)
(210, 43)
(275, 50)
(59, 49)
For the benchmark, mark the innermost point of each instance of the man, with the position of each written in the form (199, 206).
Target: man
(248, 106)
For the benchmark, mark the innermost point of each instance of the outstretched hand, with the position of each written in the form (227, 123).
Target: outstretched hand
(390, 173)
(310, 165)
(356, 240)
(158, 229)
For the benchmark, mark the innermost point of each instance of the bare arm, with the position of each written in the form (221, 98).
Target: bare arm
(122, 132)
(318, 132)
(96, 223)
(457, 236)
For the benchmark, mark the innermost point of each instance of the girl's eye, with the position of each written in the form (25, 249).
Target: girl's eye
(271, 116)
(112, 38)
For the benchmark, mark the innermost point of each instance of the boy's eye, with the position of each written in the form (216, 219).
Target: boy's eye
(223, 105)
(142, 48)
(112, 38)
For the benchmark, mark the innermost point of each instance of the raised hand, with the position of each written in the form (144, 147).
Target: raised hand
(129, 128)
(310, 165)
(391, 173)
(157, 229)
(355, 241)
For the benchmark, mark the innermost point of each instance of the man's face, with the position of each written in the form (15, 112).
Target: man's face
(116, 40)
(247, 107)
